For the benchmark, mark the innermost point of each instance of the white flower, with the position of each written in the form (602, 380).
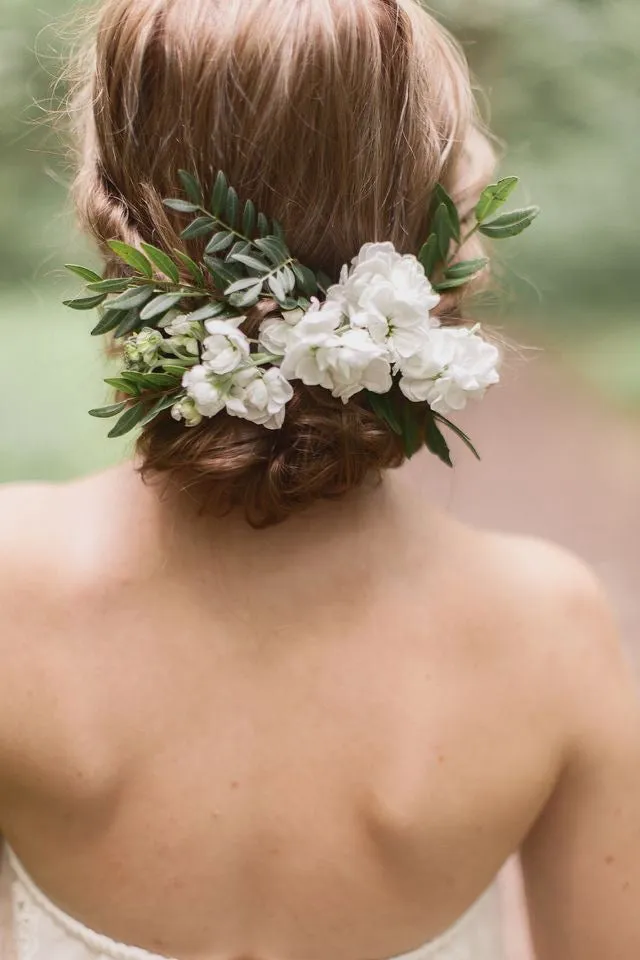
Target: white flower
(208, 391)
(186, 410)
(454, 366)
(389, 295)
(274, 331)
(322, 352)
(143, 349)
(182, 326)
(259, 396)
(226, 348)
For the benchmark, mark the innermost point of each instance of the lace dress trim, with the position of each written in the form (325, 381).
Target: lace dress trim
(30, 904)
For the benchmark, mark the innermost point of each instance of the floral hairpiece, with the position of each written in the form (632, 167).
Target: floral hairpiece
(370, 332)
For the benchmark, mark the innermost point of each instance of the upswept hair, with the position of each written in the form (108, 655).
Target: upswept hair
(336, 118)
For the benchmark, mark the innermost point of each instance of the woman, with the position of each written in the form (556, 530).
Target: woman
(324, 737)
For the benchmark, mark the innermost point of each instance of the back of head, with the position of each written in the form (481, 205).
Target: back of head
(338, 119)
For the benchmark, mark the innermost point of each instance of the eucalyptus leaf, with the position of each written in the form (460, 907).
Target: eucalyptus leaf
(383, 408)
(219, 242)
(161, 305)
(263, 225)
(199, 228)
(466, 268)
(246, 298)
(324, 282)
(86, 303)
(108, 322)
(207, 312)
(134, 297)
(435, 441)
(117, 285)
(450, 284)
(278, 231)
(129, 323)
(181, 206)
(240, 247)
(162, 262)
(222, 273)
(443, 229)
(83, 272)
(272, 249)
(429, 255)
(132, 257)
(244, 284)
(510, 224)
(232, 208)
(149, 381)
(288, 278)
(252, 262)
(162, 404)
(111, 411)
(494, 196)
(249, 219)
(306, 278)
(277, 286)
(441, 196)
(129, 419)
(219, 195)
(123, 386)
(191, 187)
(191, 266)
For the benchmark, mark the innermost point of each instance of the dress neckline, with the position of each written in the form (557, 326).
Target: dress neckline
(113, 950)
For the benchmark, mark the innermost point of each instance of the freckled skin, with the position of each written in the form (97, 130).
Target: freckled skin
(318, 740)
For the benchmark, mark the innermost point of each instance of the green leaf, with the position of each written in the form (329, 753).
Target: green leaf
(219, 195)
(466, 269)
(441, 196)
(510, 224)
(128, 324)
(246, 298)
(111, 411)
(324, 282)
(149, 381)
(232, 207)
(443, 229)
(86, 303)
(383, 408)
(306, 278)
(435, 440)
(278, 231)
(207, 312)
(83, 272)
(252, 262)
(199, 228)
(244, 284)
(277, 286)
(494, 196)
(249, 219)
(458, 432)
(108, 322)
(135, 297)
(220, 242)
(240, 247)
(191, 187)
(132, 257)
(110, 286)
(263, 225)
(181, 206)
(450, 284)
(128, 420)
(163, 404)
(221, 272)
(412, 435)
(288, 278)
(161, 305)
(191, 266)
(123, 386)
(163, 262)
(429, 255)
(174, 367)
(272, 249)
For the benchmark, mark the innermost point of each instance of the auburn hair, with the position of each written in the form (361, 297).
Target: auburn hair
(336, 118)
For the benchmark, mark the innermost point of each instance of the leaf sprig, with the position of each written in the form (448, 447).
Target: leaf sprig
(246, 259)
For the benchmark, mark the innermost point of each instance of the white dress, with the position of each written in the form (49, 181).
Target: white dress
(33, 928)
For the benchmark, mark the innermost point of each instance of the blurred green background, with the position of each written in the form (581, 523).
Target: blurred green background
(562, 80)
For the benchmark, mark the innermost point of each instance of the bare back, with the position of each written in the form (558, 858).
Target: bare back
(342, 725)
